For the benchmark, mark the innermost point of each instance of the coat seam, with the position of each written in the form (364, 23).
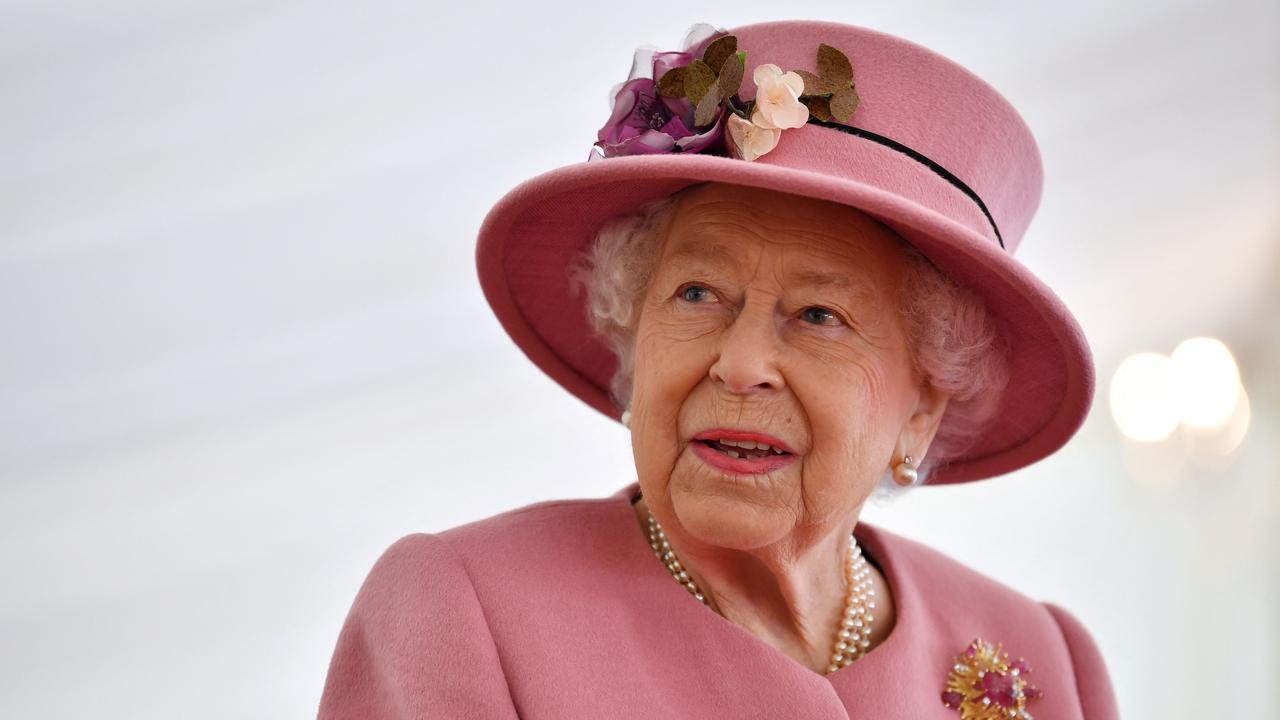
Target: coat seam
(483, 614)
(1071, 655)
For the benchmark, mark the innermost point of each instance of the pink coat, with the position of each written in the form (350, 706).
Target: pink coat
(559, 610)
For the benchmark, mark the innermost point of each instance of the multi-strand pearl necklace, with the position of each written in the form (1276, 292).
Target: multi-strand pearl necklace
(854, 632)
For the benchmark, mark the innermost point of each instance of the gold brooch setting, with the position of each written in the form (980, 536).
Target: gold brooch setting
(985, 685)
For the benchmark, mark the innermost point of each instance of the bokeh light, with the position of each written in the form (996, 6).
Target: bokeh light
(1206, 382)
(1197, 388)
(1142, 397)
(1227, 438)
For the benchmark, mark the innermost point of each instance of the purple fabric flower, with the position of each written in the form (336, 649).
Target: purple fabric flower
(662, 62)
(644, 122)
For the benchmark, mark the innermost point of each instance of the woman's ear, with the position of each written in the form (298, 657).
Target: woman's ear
(922, 425)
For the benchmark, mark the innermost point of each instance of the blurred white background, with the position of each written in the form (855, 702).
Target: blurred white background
(244, 347)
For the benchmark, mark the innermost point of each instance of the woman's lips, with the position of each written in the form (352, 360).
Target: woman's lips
(739, 466)
(728, 434)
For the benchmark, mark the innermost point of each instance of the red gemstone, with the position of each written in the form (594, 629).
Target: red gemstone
(999, 687)
(951, 698)
(1021, 666)
(1032, 692)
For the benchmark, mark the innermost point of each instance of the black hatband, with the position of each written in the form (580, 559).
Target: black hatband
(914, 155)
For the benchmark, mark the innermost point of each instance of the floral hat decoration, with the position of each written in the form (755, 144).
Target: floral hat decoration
(689, 104)
(919, 143)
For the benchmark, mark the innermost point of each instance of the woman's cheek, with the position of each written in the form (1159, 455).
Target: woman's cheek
(843, 406)
(676, 351)
(829, 346)
(678, 327)
(664, 380)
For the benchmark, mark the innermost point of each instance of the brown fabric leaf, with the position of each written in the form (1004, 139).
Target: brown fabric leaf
(843, 103)
(818, 106)
(731, 75)
(718, 50)
(698, 78)
(671, 83)
(708, 108)
(834, 66)
(814, 85)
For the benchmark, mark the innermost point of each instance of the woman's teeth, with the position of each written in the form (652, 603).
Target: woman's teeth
(747, 449)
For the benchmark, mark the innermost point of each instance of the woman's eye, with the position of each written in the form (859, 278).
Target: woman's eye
(821, 316)
(695, 293)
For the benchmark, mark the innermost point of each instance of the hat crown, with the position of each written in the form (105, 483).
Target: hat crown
(920, 99)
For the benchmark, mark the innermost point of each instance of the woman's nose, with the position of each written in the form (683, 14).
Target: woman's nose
(747, 361)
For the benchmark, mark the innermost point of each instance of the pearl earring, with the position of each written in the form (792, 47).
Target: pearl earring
(626, 419)
(904, 474)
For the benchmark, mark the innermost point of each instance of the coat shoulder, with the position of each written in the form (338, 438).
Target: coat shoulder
(576, 539)
(1097, 695)
(538, 527)
(955, 604)
(415, 643)
(945, 576)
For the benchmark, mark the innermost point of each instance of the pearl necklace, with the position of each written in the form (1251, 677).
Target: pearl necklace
(854, 632)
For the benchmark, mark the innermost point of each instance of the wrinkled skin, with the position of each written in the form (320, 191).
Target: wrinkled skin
(735, 339)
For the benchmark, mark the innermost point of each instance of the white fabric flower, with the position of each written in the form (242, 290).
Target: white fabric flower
(778, 103)
(750, 141)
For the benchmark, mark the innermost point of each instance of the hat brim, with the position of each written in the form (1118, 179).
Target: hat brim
(532, 235)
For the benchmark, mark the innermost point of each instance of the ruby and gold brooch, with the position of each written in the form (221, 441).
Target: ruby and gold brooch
(984, 685)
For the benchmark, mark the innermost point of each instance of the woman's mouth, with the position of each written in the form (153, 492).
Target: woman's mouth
(741, 457)
(744, 448)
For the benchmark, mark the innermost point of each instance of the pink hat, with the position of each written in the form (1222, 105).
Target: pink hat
(930, 150)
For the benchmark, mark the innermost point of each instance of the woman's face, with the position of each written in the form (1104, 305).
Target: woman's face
(770, 314)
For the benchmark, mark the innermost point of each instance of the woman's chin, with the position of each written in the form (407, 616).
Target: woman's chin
(723, 518)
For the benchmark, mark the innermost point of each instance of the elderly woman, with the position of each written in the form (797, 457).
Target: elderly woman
(797, 293)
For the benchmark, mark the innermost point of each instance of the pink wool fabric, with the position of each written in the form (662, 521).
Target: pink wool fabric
(560, 610)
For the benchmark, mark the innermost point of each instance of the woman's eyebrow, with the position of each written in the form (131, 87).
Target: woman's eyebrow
(705, 251)
(855, 284)
(823, 278)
